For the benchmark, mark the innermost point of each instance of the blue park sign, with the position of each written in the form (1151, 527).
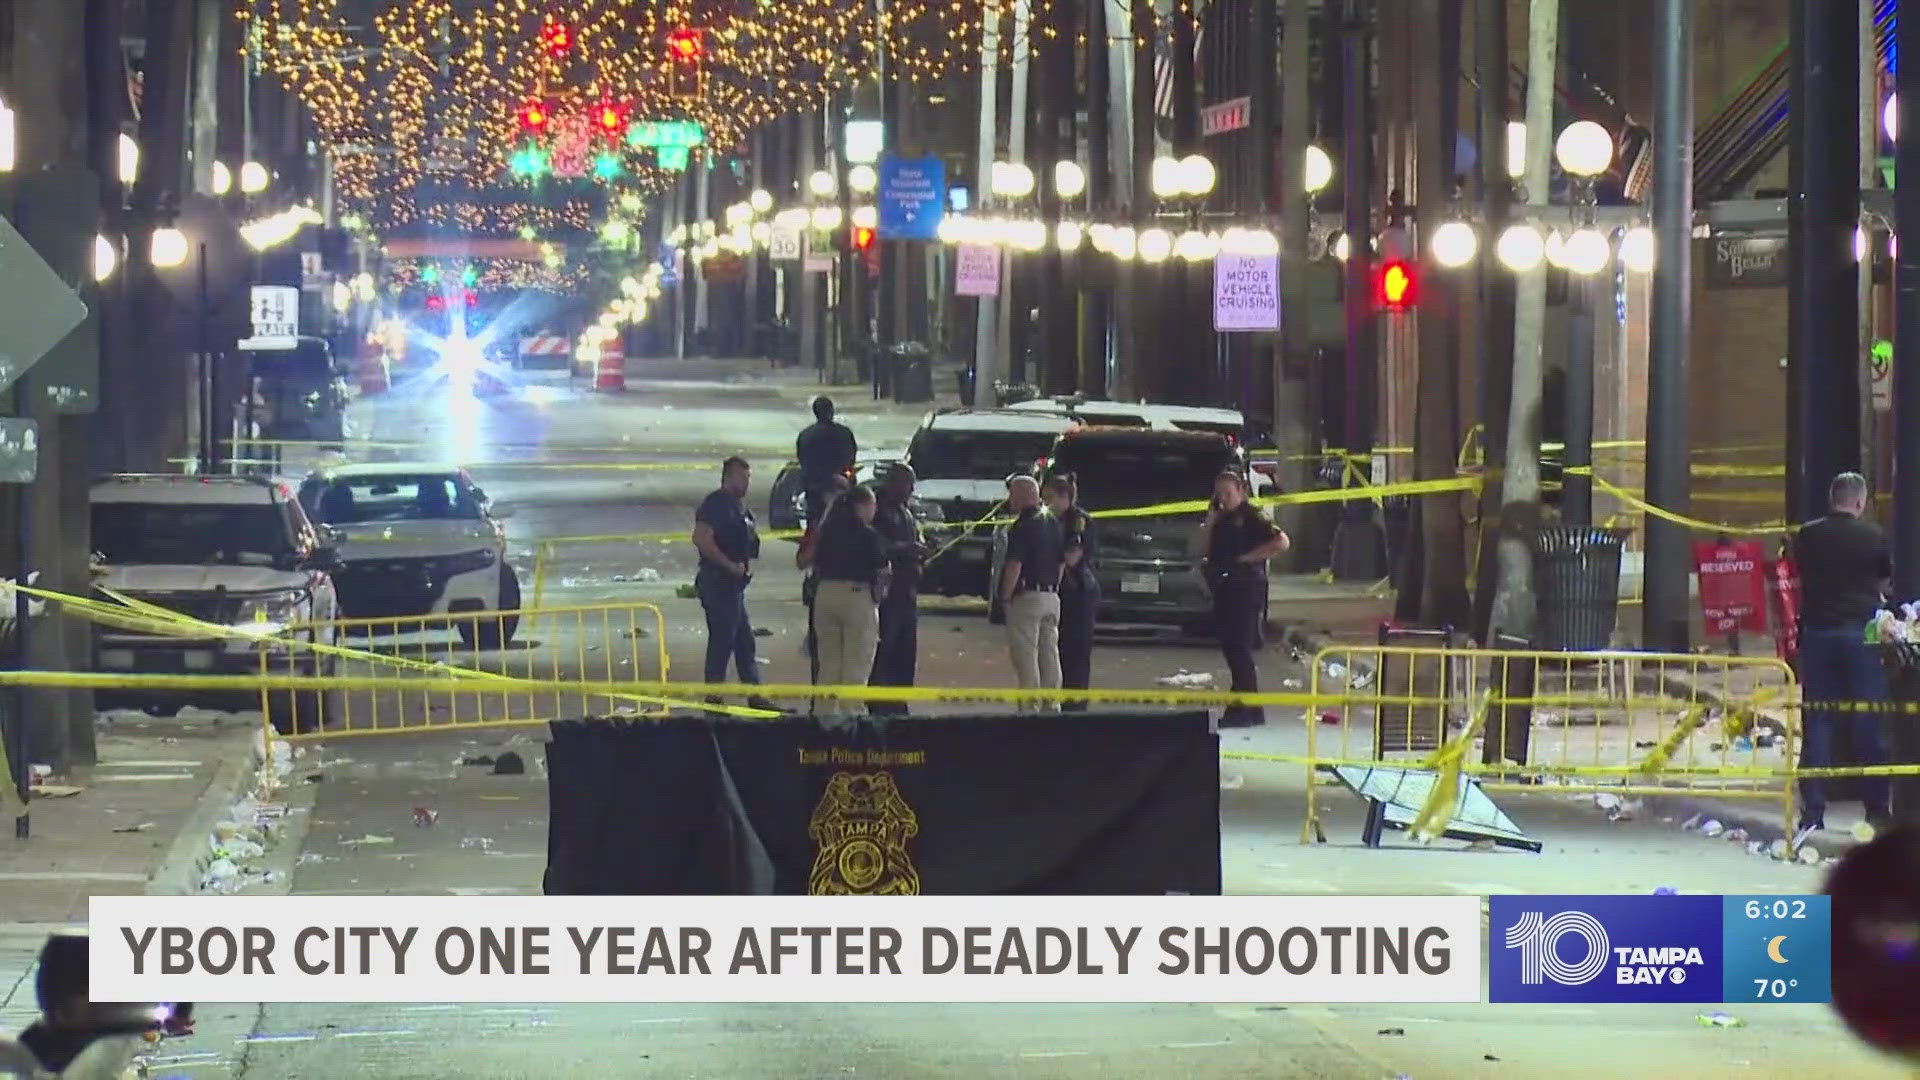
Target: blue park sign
(912, 198)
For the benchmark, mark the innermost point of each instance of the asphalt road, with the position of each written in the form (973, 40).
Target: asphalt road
(354, 802)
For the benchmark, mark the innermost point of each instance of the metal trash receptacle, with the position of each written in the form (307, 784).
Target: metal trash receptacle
(911, 369)
(1576, 581)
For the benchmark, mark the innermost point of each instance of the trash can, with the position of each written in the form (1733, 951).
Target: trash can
(1576, 579)
(912, 373)
(1899, 732)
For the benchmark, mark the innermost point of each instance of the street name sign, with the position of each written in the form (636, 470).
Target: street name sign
(37, 309)
(913, 198)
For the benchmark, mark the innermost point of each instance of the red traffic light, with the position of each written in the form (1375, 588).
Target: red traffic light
(534, 116)
(557, 37)
(436, 302)
(1397, 286)
(862, 238)
(610, 118)
(686, 45)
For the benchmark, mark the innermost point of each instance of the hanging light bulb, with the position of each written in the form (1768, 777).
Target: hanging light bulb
(1521, 248)
(1155, 245)
(1636, 249)
(1585, 251)
(1455, 244)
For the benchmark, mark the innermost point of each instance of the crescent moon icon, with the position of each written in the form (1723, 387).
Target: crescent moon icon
(1773, 950)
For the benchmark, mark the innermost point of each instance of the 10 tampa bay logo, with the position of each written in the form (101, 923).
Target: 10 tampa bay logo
(1539, 939)
(1615, 948)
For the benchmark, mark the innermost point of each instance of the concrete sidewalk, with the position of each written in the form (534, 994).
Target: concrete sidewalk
(136, 825)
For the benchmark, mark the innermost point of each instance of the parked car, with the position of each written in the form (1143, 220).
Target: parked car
(787, 501)
(233, 551)
(962, 459)
(1149, 566)
(418, 539)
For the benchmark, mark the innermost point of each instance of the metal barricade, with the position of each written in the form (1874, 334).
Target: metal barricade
(411, 674)
(1620, 722)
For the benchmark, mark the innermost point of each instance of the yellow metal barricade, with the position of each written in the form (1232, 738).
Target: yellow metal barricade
(411, 674)
(1621, 722)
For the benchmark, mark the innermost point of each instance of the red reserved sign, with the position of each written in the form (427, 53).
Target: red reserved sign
(1733, 586)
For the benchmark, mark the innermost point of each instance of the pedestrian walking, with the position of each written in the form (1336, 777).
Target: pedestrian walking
(810, 583)
(1030, 591)
(1239, 540)
(728, 542)
(1846, 571)
(825, 449)
(850, 561)
(896, 658)
(1079, 588)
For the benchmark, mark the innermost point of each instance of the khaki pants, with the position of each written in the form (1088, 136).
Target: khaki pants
(1033, 642)
(846, 627)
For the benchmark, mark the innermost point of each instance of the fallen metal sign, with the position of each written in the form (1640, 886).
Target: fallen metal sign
(37, 309)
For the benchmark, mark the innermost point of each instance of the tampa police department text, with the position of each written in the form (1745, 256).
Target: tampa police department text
(794, 950)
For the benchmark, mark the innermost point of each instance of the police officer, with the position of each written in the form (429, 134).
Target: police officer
(728, 542)
(894, 661)
(1239, 540)
(825, 449)
(1079, 589)
(1030, 590)
(810, 583)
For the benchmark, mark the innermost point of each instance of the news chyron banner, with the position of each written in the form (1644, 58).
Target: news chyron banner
(1675, 949)
(787, 949)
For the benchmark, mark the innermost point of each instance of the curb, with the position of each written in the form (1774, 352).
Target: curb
(187, 858)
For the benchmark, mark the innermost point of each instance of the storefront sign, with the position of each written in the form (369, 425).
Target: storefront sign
(1747, 262)
(1226, 116)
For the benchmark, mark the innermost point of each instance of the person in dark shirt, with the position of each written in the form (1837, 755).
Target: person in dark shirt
(1030, 590)
(1845, 571)
(71, 1023)
(896, 657)
(1239, 540)
(728, 542)
(1079, 589)
(850, 560)
(825, 449)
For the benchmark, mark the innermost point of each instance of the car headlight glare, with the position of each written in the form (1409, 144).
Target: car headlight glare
(269, 615)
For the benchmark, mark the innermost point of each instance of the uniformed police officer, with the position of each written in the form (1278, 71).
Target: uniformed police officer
(1079, 589)
(1030, 590)
(895, 660)
(728, 542)
(1239, 540)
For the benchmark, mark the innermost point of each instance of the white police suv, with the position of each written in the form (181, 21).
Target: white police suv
(417, 539)
(232, 551)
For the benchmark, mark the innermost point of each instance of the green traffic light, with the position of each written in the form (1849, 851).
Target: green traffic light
(606, 167)
(470, 277)
(431, 275)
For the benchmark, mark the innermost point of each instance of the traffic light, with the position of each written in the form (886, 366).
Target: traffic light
(862, 238)
(557, 38)
(686, 58)
(436, 302)
(1396, 285)
(863, 243)
(470, 299)
(534, 117)
(610, 119)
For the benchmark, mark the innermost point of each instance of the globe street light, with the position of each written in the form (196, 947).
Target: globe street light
(1155, 245)
(1068, 235)
(820, 183)
(1197, 176)
(1069, 179)
(1521, 248)
(1584, 149)
(1516, 149)
(1455, 244)
(129, 159)
(1585, 252)
(254, 178)
(105, 258)
(1166, 178)
(1319, 170)
(1011, 180)
(1890, 118)
(222, 178)
(861, 179)
(760, 200)
(169, 248)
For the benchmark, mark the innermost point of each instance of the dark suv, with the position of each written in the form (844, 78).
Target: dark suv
(1149, 565)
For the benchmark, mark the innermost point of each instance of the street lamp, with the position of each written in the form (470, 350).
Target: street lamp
(1069, 179)
(1319, 170)
(1521, 248)
(1586, 251)
(1584, 149)
(760, 200)
(1890, 118)
(169, 248)
(820, 183)
(1166, 178)
(1155, 245)
(1196, 246)
(1011, 180)
(222, 178)
(862, 180)
(826, 218)
(129, 159)
(1197, 176)
(254, 178)
(866, 217)
(1455, 244)
(6, 138)
(1068, 235)
(1516, 149)
(106, 256)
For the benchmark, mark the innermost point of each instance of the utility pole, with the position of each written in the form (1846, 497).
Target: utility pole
(1357, 541)
(1142, 340)
(1094, 305)
(1496, 303)
(1513, 605)
(1906, 323)
(1664, 612)
(1443, 599)
(986, 334)
(1293, 433)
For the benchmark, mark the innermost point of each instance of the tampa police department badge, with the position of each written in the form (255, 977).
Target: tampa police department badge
(860, 829)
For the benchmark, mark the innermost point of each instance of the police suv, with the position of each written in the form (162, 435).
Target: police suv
(234, 551)
(961, 460)
(417, 539)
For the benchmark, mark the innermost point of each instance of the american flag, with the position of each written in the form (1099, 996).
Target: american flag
(1163, 70)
